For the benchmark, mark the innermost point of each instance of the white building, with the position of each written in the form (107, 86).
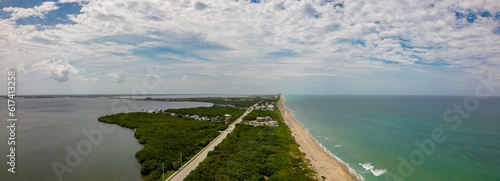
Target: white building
(272, 123)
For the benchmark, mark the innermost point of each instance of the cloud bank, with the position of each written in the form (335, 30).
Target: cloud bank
(428, 46)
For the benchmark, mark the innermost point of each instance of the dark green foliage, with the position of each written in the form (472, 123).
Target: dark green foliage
(254, 153)
(164, 138)
(209, 111)
(149, 166)
(261, 113)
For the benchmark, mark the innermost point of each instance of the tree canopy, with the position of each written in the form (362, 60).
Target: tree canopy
(164, 138)
(209, 111)
(255, 153)
(262, 113)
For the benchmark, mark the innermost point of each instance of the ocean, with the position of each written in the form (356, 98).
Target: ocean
(54, 132)
(380, 137)
(406, 137)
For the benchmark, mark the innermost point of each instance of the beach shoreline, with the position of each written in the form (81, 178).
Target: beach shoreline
(321, 161)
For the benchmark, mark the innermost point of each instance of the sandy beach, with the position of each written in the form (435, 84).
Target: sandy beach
(320, 161)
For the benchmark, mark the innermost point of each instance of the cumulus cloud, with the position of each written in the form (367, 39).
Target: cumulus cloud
(268, 40)
(59, 70)
(118, 76)
(38, 11)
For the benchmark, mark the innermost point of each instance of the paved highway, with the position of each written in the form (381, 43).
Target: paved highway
(184, 172)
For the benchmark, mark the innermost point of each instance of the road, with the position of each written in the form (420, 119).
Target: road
(184, 172)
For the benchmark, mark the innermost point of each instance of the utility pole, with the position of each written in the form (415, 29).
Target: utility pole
(181, 158)
(163, 170)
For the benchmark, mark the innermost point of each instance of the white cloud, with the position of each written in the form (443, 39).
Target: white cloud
(59, 70)
(71, 1)
(362, 39)
(118, 76)
(38, 11)
(91, 78)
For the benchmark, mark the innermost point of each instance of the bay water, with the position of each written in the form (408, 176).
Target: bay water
(51, 131)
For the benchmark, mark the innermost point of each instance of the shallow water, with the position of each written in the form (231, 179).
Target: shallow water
(388, 137)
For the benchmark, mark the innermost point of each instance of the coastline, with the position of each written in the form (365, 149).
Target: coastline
(324, 163)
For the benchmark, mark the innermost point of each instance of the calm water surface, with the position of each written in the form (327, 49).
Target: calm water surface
(48, 129)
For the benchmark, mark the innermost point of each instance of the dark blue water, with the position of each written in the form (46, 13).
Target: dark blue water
(406, 137)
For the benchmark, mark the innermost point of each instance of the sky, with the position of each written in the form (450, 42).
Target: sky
(391, 47)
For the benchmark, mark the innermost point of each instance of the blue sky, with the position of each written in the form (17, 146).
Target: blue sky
(397, 47)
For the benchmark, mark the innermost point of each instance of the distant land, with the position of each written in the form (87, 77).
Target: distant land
(118, 96)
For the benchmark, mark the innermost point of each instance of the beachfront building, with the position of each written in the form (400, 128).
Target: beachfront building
(270, 108)
(257, 123)
(260, 119)
(272, 123)
(266, 106)
(264, 121)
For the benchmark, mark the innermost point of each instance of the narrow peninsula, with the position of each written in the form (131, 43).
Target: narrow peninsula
(268, 144)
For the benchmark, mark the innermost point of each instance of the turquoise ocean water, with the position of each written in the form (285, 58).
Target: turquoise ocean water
(406, 137)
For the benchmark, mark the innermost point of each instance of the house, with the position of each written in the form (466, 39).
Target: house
(264, 121)
(173, 114)
(257, 123)
(195, 117)
(227, 115)
(270, 107)
(205, 119)
(272, 123)
(265, 106)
